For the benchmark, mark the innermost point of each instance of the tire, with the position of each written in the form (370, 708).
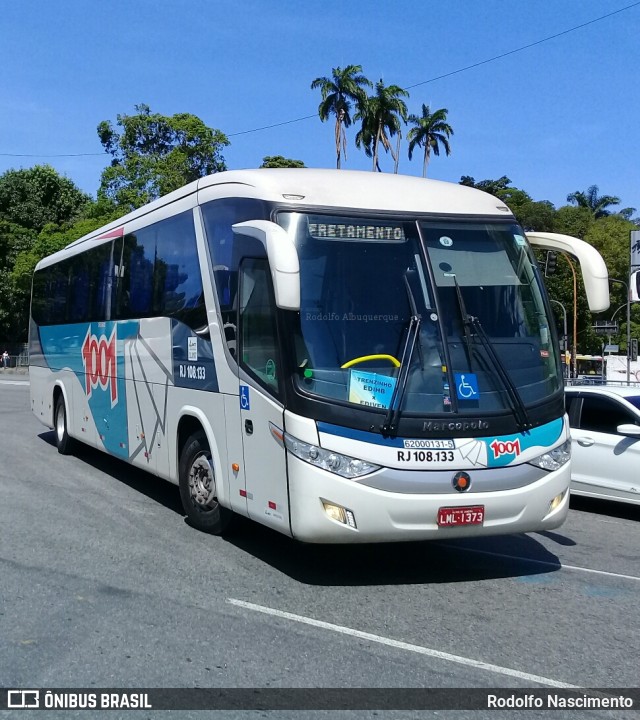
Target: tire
(63, 442)
(198, 487)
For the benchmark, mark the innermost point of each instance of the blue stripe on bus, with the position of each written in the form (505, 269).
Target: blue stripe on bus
(68, 347)
(544, 436)
(360, 435)
(101, 346)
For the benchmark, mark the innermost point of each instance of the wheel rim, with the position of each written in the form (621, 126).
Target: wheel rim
(60, 424)
(202, 484)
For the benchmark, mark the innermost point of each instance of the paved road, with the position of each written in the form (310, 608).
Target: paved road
(103, 584)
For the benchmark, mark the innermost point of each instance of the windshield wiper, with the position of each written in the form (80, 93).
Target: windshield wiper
(466, 323)
(469, 323)
(413, 332)
(519, 408)
(414, 313)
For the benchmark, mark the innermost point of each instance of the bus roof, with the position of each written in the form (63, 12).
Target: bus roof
(362, 190)
(326, 188)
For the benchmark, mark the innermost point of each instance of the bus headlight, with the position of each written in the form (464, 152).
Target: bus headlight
(330, 460)
(555, 458)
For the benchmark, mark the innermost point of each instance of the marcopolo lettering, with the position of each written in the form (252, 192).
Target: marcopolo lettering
(455, 425)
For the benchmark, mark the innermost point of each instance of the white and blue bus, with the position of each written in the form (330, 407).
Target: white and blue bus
(341, 356)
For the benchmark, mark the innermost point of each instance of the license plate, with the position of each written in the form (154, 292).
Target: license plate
(453, 516)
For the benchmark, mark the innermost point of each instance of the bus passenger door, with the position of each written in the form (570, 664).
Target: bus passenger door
(260, 412)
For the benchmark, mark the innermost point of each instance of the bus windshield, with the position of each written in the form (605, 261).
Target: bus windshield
(483, 341)
(486, 271)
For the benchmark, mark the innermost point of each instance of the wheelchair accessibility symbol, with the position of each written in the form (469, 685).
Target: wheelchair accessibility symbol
(244, 397)
(467, 386)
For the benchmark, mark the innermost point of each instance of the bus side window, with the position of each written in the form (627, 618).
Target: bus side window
(135, 277)
(39, 303)
(219, 216)
(60, 291)
(258, 335)
(104, 289)
(177, 281)
(80, 290)
(159, 273)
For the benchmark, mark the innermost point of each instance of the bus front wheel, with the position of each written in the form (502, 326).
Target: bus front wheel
(198, 490)
(63, 441)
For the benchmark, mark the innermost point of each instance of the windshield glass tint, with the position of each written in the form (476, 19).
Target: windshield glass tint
(493, 268)
(359, 278)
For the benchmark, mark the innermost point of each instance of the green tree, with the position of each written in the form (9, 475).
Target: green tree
(14, 239)
(339, 92)
(32, 248)
(36, 196)
(493, 187)
(30, 200)
(155, 154)
(610, 236)
(599, 205)
(278, 161)
(536, 215)
(531, 214)
(430, 132)
(573, 220)
(382, 115)
(51, 239)
(560, 289)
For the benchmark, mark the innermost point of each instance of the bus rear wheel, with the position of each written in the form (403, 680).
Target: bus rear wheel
(63, 441)
(198, 490)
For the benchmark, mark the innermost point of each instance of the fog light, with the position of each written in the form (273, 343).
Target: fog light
(556, 501)
(337, 512)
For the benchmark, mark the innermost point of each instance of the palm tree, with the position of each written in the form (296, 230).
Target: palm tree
(430, 131)
(597, 204)
(381, 117)
(344, 87)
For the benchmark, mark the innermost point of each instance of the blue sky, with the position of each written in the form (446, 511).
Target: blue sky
(555, 118)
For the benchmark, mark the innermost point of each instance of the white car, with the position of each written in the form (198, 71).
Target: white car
(605, 447)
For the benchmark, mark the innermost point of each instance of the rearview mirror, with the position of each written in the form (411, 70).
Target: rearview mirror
(283, 259)
(629, 429)
(592, 265)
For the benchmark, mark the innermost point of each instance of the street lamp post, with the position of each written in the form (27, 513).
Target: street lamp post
(621, 282)
(617, 311)
(574, 360)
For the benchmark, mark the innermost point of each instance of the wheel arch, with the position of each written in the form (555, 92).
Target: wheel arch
(191, 420)
(59, 388)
